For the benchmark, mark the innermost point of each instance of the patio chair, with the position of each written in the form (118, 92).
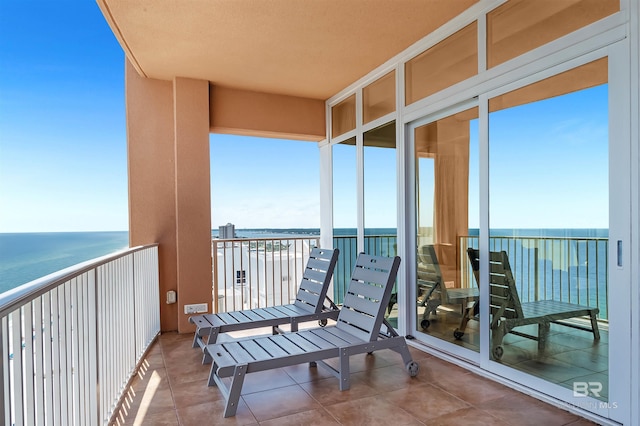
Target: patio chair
(308, 306)
(507, 312)
(435, 292)
(358, 330)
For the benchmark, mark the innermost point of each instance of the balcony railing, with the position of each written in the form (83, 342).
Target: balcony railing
(376, 245)
(257, 273)
(569, 269)
(266, 272)
(70, 341)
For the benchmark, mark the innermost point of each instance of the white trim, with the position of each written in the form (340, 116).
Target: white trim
(450, 348)
(483, 243)
(634, 48)
(359, 173)
(403, 199)
(385, 119)
(620, 225)
(344, 137)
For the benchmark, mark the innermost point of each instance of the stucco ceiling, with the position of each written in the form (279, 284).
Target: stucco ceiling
(308, 48)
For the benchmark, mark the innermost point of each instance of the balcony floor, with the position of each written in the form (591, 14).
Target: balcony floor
(170, 389)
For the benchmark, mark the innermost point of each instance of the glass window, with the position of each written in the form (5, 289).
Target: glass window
(379, 98)
(447, 186)
(343, 116)
(380, 197)
(549, 225)
(449, 62)
(519, 26)
(345, 219)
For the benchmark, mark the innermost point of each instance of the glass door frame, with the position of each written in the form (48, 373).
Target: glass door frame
(619, 230)
(411, 232)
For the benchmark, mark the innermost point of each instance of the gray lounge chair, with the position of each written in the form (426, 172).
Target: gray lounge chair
(358, 330)
(308, 306)
(507, 312)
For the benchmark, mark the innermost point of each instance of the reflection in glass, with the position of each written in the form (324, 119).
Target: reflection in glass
(380, 198)
(548, 219)
(345, 221)
(446, 153)
(519, 26)
(343, 116)
(379, 98)
(449, 62)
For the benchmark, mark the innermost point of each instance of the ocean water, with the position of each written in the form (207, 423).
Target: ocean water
(28, 256)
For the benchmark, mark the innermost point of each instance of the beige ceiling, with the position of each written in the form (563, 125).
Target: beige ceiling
(308, 48)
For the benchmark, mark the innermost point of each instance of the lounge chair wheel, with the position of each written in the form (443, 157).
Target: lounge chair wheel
(425, 323)
(322, 322)
(458, 334)
(498, 351)
(412, 368)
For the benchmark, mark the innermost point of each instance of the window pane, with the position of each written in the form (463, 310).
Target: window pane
(343, 116)
(345, 221)
(380, 195)
(449, 62)
(549, 223)
(519, 26)
(447, 185)
(379, 98)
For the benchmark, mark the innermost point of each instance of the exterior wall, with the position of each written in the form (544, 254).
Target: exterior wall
(193, 195)
(249, 113)
(169, 190)
(152, 201)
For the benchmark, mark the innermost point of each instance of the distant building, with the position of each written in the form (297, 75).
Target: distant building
(227, 231)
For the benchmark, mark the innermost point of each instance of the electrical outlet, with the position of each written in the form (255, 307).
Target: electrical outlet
(196, 308)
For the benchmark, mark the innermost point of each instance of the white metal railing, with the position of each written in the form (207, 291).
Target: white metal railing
(253, 273)
(71, 341)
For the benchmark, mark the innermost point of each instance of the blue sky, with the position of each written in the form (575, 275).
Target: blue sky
(63, 163)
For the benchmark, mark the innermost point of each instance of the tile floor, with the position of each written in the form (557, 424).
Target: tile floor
(170, 389)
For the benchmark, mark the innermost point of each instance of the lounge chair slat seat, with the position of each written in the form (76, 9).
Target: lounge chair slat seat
(289, 310)
(313, 346)
(344, 338)
(225, 318)
(268, 345)
(315, 282)
(275, 312)
(238, 353)
(308, 341)
(257, 352)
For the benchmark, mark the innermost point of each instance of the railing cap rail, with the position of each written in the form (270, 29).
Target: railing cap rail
(12, 299)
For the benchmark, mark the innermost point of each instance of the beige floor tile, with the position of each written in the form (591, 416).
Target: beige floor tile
(373, 410)
(279, 402)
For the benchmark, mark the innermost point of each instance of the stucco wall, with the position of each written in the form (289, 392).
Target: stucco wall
(249, 113)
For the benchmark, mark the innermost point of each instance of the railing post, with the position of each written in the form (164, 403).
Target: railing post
(535, 272)
(214, 255)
